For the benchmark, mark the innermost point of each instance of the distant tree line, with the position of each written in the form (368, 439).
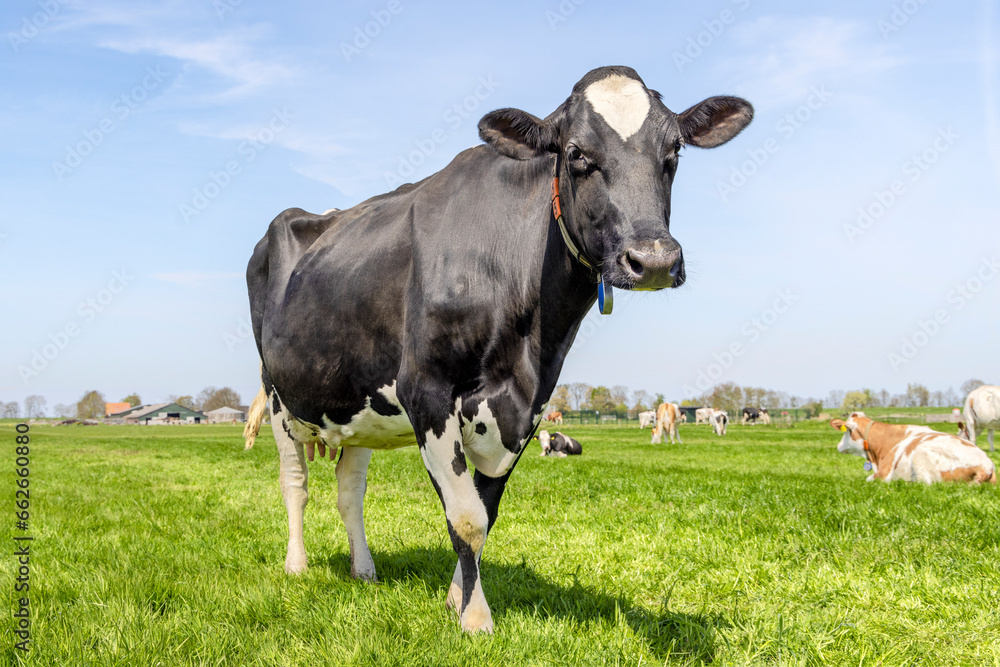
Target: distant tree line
(91, 405)
(569, 397)
(732, 398)
(915, 396)
(606, 400)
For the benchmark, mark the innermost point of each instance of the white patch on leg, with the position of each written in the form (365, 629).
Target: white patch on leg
(465, 512)
(486, 451)
(621, 101)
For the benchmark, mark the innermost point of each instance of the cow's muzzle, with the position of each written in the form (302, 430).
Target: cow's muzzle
(653, 265)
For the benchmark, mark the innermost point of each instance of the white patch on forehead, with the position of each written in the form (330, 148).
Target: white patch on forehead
(622, 102)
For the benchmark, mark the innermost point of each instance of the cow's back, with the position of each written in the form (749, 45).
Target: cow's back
(326, 295)
(930, 456)
(340, 301)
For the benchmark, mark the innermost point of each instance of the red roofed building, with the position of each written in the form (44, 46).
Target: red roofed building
(112, 408)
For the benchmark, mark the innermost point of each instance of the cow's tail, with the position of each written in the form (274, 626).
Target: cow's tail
(255, 417)
(993, 477)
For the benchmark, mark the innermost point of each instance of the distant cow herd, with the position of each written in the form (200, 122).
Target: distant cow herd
(891, 452)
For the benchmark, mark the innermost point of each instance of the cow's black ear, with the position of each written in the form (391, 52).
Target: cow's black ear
(715, 121)
(518, 134)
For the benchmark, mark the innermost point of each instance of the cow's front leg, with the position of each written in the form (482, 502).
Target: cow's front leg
(467, 517)
(490, 491)
(294, 481)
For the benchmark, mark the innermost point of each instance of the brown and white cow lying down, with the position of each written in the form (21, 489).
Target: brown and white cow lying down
(913, 453)
(559, 445)
(668, 415)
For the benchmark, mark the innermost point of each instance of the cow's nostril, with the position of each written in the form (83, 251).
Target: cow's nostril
(633, 264)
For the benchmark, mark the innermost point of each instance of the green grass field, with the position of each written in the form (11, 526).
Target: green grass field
(165, 546)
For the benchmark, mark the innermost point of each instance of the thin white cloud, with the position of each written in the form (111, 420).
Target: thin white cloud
(196, 278)
(236, 55)
(781, 58)
(231, 56)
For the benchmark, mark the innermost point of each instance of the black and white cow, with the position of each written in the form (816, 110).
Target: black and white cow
(750, 416)
(558, 444)
(440, 314)
(719, 419)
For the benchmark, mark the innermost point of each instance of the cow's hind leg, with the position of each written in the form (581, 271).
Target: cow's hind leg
(467, 518)
(352, 472)
(294, 480)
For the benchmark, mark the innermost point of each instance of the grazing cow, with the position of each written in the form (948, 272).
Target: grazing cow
(750, 416)
(719, 420)
(555, 417)
(764, 417)
(559, 445)
(982, 411)
(440, 314)
(703, 416)
(913, 453)
(647, 418)
(668, 416)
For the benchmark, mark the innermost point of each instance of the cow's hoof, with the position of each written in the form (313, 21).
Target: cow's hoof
(477, 620)
(367, 577)
(295, 564)
(454, 600)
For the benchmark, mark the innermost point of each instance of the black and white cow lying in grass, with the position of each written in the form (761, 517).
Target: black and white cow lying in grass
(558, 444)
(440, 314)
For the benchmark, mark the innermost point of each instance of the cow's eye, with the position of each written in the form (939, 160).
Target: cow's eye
(574, 154)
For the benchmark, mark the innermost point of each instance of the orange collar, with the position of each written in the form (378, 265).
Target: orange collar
(864, 439)
(557, 213)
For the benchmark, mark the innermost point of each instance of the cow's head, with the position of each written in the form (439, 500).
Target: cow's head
(852, 442)
(545, 440)
(618, 148)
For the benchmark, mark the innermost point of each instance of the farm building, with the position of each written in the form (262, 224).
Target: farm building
(225, 414)
(159, 413)
(114, 408)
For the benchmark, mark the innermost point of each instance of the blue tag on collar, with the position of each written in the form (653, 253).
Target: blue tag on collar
(605, 297)
(868, 465)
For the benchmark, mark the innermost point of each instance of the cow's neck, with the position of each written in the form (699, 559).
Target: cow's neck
(567, 291)
(880, 443)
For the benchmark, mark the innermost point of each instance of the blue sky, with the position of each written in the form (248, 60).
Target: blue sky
(848, 238)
